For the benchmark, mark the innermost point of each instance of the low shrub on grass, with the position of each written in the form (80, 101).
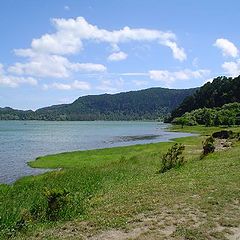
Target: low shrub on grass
(208, 146)
(173, 158)
(56, 201)
(224, 134)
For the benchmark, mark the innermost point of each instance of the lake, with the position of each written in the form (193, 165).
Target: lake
(22, 141)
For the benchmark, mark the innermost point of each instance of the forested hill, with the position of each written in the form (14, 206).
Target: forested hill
(221, 91)
(148, 104)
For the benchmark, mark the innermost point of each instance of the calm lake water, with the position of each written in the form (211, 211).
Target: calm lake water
(22, 141)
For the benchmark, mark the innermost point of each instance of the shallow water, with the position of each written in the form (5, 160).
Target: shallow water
(22, 141)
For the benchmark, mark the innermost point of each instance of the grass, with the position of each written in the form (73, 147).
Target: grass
(119, 190)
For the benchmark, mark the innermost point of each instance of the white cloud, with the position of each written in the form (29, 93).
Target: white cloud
(134, 74)
(70, 34)
(46, 58)
(232, 68)
(59, 86)
(169, 77)
(139, 83)
(67, 8)
(195, 62)
(1, 69)
(43, 66)
(115, 47)
(178, 53)
(55, 66)
(13, 81)
(227, 47)
(77, 85)
(119, 56)
(81, 85)
(87, 67)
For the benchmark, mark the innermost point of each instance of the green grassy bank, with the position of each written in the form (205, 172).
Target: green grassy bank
(118, 191)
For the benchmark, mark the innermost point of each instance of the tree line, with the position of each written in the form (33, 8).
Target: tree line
(220, 91)
(148, 104)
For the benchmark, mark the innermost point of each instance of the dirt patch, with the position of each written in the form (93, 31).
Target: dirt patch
(182, 221)
(222, 144)
(119, 235)
(235, 235)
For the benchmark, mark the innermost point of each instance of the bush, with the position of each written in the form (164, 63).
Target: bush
(173, 158)
(56, 200)
(185, 120)
(227, 115)
(224, 134)
(208, 146)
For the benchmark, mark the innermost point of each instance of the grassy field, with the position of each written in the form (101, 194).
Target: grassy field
(117, 193)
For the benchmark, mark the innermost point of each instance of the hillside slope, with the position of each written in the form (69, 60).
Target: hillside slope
(221, 91)
(148, 104)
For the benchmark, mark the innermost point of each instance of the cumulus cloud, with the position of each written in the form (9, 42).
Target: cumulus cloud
(232, 68)
(178, 52)
(14, 81)
(70, 34)
(77, 85)
(43, 65)
(118, 56)
(169, 77)
(227, 47)
(48, 55)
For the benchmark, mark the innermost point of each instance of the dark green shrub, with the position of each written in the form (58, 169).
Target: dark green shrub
(227, 115)
(173, 158)
(224, 134)
(185, 120)
(208, 146)
(56, 201)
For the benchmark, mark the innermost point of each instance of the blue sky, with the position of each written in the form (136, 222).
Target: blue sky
(54, 51)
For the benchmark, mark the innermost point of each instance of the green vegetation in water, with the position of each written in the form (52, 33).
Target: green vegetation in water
(118, 188)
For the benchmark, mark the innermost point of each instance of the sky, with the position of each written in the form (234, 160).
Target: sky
(54, 51)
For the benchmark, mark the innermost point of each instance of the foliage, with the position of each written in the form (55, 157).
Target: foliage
(221, 91)
(187, 119)
(173, 158)
(208, 146)
(227, 115)
(153, 103)
(223, 134)
(56, 201)
(107, 190)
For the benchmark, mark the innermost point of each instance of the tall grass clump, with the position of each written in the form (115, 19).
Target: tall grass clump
(57, 200)
(173, 158)
(208, 147)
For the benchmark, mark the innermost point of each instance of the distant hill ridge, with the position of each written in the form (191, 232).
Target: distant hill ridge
(148, 104)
